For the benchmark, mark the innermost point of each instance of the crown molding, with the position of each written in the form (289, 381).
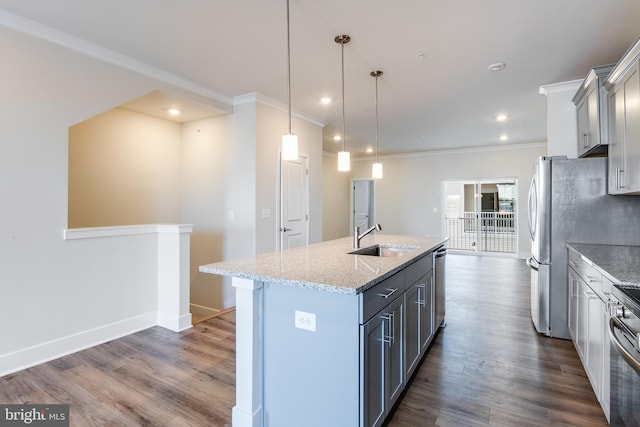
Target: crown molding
(465, 150)
(571, 85)
(255, 97)
(76, 44)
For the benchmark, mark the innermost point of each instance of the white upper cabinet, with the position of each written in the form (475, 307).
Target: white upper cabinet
(623, 86)
(592, 113)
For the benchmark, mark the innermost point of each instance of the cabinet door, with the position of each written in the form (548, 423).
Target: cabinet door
(382, 360)
(616, 139)
(593, 122)
(595, 342)
(631, 180)
(425, 291)
(583, 320)
(606, 366)
(412, 328)
(372, 361)
(583, 126)
(572, 314)
(395, 366)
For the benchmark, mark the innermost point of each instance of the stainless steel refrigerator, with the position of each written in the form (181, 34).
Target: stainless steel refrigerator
(568, 202)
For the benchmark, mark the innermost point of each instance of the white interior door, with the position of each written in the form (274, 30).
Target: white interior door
(294, 215)
(363, 203)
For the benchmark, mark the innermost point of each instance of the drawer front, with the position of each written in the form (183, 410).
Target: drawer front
(591, 276)
(415, 271)
(376, 298)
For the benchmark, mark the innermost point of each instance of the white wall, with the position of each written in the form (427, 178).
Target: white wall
(406, 197)
(51, 288)
(54, 289)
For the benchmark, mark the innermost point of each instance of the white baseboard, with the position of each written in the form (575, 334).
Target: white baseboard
(175, 324)
(45, 352)
(202, 311)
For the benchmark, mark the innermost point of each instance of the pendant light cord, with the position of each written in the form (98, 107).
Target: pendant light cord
(343, 135)
(377, 118)
(289, 65)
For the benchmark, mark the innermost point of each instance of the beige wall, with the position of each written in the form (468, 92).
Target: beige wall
(336, 199)
(124, 169)
(217, 174)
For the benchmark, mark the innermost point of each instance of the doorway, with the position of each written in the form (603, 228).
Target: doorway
(481, 215)
(362, 214)
(294, 202)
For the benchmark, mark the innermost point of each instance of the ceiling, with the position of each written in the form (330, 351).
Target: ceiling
(436, 91)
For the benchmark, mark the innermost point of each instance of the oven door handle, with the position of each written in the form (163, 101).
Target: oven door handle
(628, 357)
(530, 263)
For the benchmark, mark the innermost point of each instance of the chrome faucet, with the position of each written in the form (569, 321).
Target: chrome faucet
(357, 236)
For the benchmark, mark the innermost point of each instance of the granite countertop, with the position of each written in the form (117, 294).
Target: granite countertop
(621, 264)
(328, 265)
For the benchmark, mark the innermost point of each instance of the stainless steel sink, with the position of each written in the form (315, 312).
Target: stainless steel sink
(384, 250)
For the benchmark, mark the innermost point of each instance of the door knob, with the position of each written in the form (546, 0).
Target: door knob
(285, 229)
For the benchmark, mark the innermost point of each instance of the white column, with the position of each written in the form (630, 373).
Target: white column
(248, 411)
(173, 276)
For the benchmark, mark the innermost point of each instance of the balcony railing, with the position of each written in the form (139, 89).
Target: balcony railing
(482, 231)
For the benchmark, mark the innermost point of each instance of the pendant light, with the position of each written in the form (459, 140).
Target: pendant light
(376, 170)
(289, 140)
(344, 158)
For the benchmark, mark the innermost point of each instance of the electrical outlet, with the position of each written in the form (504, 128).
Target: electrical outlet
(306, 321)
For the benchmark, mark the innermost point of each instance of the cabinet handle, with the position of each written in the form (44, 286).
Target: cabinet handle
(592, 279)
(585, 140)
(389, 338)
(421, 297)
(620, 180)
(391, 292)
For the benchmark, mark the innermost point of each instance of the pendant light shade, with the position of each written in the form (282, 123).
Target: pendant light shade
(289, 140)
(289, 146)
(376, 169)
(344, 161)
(344, 158)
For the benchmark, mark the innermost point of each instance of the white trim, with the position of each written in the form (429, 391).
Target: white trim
(60, 38)
(258, 98)
(45, 352)
(560, 87)
(124, 230)
(431, 153)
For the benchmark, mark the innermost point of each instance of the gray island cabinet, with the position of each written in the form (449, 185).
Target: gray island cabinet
(329, 338)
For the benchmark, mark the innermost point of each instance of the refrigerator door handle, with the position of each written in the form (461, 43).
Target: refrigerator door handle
(530, 263)
(532, 205)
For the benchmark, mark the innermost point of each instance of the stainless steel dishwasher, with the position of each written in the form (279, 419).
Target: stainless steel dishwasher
(439, 262)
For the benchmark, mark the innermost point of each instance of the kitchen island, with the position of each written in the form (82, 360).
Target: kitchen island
(327, 337)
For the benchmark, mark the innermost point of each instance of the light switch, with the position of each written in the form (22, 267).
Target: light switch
(232, 214)
(266, 213)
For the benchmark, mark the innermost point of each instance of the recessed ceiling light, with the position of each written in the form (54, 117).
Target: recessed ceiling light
(174, 111)
(497, 66)
(325, 101)
(503, 137)
(369, 150)
(337, 138)
(422, 55)
(501, 117)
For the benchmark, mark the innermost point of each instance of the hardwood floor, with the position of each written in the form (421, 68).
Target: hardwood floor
(487, 367)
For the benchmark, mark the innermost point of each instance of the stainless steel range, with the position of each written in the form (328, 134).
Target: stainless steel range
(624, 335)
